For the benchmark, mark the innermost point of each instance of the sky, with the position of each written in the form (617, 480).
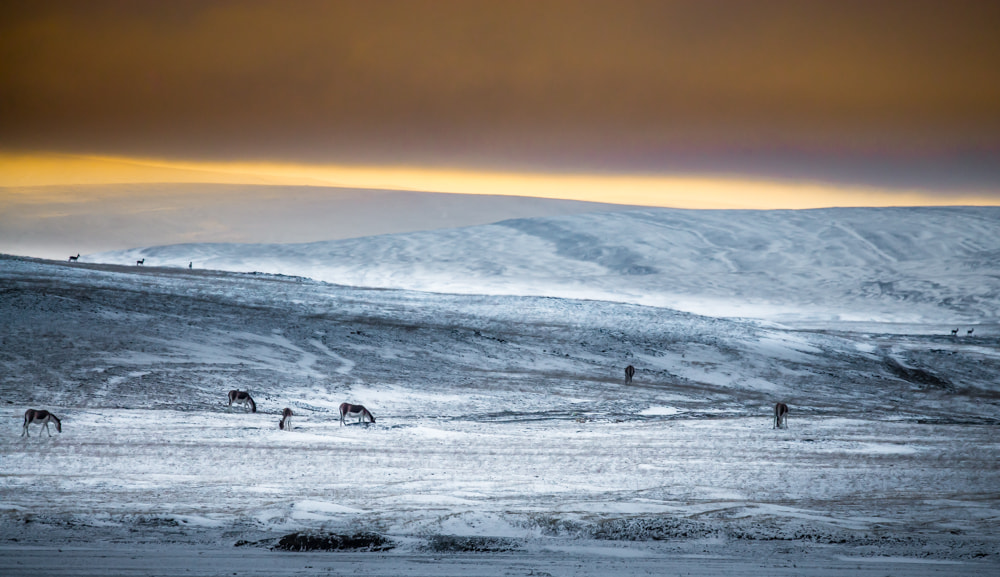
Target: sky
(708, 104)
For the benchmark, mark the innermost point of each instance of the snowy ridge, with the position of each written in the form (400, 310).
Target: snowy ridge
(904, 265)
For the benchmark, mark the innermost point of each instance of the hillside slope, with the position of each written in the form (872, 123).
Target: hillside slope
(502, 423)
(904, 265)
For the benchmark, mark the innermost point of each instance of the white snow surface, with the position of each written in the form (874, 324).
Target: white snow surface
(506, 441)
(916, 265)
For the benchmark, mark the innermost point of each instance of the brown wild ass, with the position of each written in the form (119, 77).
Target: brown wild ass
(40, 417)
(629, 373)
(352, 411)
(242, 398)
(780, 416)
(285, 424)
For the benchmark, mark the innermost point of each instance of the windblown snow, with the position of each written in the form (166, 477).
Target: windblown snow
(493, 360)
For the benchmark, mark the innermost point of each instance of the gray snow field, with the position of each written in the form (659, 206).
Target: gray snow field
(505, 442)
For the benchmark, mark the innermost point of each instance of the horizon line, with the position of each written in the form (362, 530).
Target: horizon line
(689, 191)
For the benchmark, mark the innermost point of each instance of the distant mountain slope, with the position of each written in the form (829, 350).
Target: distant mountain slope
(94, 218)
(920, 265)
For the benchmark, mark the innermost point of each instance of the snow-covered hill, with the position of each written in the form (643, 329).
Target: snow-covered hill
(504, 432)
(504, 427)
(93, 218)
(904, 265)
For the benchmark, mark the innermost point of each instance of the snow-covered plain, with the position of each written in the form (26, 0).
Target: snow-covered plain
(506, 441)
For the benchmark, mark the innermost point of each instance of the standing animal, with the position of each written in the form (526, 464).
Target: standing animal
(285, 424)
(40, 417)
(242, 398)
(629, 373)
(74, 258)
(969, 332)
(140, 262)
(780, 416)
(352, 411)
(954, 332)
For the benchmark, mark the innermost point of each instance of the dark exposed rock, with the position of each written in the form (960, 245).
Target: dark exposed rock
(457, 544)
(917, 376)
(331, 542)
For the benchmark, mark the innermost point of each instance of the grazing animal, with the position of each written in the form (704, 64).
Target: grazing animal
(349, 410)
(40, 417)
(285, 424)
(74, 258)
(140, 262)
(242, 398)
(780, 416)
(629, 373)
(954, 332)
(969, 332)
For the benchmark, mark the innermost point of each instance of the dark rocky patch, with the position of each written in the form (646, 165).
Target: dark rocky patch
(367, 541)
(650, 529)
(457, 544)
(266, 543)
(917, 376)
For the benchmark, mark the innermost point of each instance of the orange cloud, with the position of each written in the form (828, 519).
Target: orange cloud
(25, 174)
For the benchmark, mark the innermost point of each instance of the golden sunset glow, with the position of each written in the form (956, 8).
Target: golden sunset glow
(18, 173)
(892, 93)
(115, 112)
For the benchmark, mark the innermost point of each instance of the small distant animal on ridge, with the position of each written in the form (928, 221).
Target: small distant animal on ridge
(40, 417)
(74, 258)
(242, 398)
(954, 332)
(969, 332)
(140, 262)
(780, 416)
(629, 373)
